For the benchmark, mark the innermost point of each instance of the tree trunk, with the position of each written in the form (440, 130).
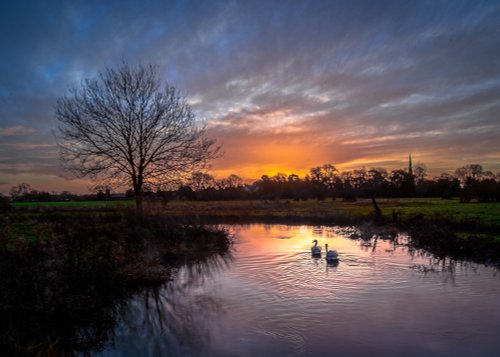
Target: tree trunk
(378, 211)
(138, 201)
(139, 205)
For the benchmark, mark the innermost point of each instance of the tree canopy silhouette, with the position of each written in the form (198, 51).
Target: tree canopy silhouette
(125, 128)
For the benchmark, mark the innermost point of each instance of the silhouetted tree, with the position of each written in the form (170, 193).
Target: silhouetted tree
(468, 191)
(359, 178)
(488, 190)
(279, 177)
(18, 192)
(347, 179)
(326, 174)
(186, 193)
(201, 181)
(421, 185)
(472, 171)
(488, 175)
(126, 129)
(447, 186)
(43, 196)
(376, 180)
(232, 181)
(401, 183)
(420, 171)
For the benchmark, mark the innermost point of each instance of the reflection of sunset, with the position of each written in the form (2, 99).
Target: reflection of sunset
(298, 240)
(274, 263)
(282, 255)
(274, 299)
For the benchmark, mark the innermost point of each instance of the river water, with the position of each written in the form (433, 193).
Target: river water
(270, 297)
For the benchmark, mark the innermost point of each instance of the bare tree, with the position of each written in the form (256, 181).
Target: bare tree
(23, 189)
(326, 174)
(232, 181)
(201, 181)
(471, 171)
(124, 128)
(420, 171)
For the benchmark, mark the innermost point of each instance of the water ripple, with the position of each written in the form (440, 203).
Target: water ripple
(275, 299)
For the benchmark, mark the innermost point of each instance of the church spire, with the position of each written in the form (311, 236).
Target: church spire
(411, 192)
(410, 166)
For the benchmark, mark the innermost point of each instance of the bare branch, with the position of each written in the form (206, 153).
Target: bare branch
(125, 129)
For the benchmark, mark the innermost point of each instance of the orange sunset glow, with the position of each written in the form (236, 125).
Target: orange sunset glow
(313, 85)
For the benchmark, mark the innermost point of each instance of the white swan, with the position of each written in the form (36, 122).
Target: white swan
(331, 255)
(315, 250)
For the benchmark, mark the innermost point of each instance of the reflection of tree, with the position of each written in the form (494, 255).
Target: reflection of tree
(437, 262)
(84, 318)
(170, 319)
(28, 332)
(194, 272)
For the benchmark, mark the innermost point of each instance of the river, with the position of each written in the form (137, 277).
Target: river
(270, 297)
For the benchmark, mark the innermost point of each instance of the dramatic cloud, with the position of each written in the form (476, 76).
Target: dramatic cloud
(285, 85)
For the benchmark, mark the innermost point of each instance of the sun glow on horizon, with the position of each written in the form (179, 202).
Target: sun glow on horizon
(283, 87)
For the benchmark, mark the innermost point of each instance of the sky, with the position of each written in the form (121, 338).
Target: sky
(283, 85)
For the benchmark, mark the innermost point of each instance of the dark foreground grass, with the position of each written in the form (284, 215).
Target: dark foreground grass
(64, 275)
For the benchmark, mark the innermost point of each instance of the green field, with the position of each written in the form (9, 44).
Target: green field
(484, 213)
(77, 204)
(430, 208)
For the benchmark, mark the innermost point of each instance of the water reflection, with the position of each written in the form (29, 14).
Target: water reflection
(89, 320)
(272, 298)
(170, 319)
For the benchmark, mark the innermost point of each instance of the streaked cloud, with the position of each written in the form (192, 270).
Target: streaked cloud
(16, 130)
(284, 85)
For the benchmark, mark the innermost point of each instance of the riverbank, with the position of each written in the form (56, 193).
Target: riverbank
(474, 213)
(65, 272)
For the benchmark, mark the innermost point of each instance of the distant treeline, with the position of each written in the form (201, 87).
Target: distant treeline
(469, 182)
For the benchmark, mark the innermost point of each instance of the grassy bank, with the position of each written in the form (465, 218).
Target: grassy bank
(65, 273)
(75, 204)
(486, 214)
(406, 208)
